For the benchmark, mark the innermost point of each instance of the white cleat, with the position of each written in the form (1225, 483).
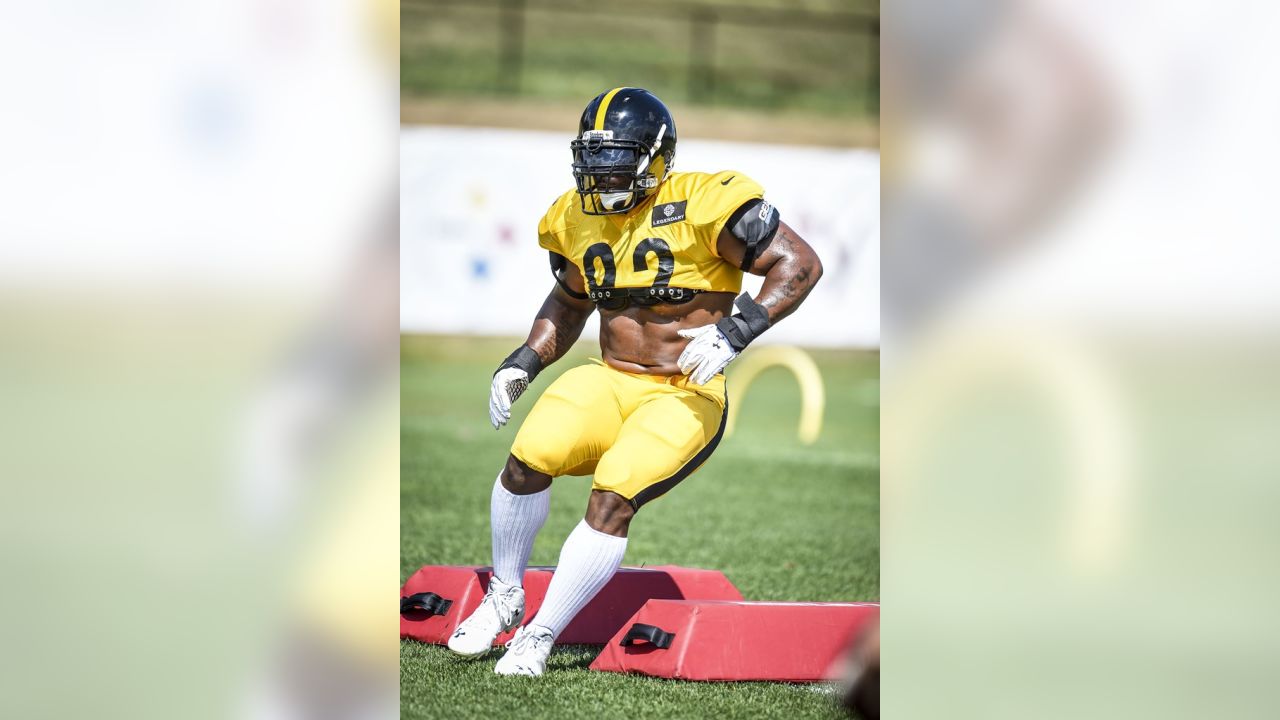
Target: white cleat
(501, 610)
(527, 652)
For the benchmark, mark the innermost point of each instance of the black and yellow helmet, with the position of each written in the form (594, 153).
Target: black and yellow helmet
(625, 147)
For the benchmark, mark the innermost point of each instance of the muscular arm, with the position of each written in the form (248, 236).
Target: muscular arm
(560, 320)
(789, 265)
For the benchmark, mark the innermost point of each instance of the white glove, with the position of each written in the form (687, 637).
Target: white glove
(508, 384)
(707, 353)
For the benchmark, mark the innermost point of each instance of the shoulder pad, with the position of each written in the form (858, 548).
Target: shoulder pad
(715, 196)
(555, 222)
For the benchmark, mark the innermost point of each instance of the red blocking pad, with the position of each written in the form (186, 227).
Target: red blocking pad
(699, 640)
(437, 598)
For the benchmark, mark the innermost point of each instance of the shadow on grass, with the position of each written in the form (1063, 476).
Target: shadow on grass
(573, 657)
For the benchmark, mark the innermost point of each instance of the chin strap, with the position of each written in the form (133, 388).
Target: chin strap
(618, 201)
(747, 325)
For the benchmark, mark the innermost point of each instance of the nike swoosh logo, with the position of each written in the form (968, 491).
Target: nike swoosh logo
(726, 182)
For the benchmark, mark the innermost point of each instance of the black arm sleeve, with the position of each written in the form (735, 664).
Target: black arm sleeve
(755, 224)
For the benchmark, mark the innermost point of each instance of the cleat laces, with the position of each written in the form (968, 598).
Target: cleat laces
(525, 642)
(502, 605)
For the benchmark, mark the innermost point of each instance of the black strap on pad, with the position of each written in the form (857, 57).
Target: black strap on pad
(651, 634)
(424, 602)
(618, 298)
(755, 224)
(559, 264)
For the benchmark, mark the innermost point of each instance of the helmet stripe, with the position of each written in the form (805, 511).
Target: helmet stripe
(603, 109)
(657, 143)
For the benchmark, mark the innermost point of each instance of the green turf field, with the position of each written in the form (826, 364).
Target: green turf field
(783, 521)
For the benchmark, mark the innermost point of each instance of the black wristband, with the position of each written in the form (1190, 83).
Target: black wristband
(747, 325)
(524, 358)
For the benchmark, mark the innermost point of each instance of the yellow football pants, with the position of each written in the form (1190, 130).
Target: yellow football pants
(639, 434)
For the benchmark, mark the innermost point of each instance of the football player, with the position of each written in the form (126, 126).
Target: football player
(660, 254)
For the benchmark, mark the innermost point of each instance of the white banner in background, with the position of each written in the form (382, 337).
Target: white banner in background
(471, 198)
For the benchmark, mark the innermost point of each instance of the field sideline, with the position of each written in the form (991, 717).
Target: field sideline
(783, 521)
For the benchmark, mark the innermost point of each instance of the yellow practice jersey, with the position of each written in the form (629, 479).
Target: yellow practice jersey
(667, 241)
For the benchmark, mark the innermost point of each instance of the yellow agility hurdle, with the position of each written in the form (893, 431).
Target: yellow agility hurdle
(813, 396)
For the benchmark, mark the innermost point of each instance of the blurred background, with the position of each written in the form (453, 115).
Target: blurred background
(757, 61)
(1079, 286)
(786, 93)
(198, 359)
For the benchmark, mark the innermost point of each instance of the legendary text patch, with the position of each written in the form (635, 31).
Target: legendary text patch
(667, 213)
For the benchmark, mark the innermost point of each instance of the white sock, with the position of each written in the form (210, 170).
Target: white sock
(514, 522)
(587, 561)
